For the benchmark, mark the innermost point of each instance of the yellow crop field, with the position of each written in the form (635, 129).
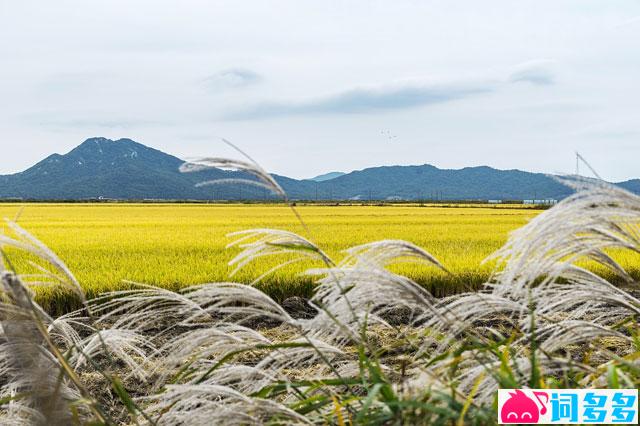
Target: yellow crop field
(174, 245)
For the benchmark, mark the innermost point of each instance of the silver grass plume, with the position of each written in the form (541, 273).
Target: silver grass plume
(204, 353)
(53, 340)
(150, 307)
(258, 243)
(27, 243)
(384, 253)
(360, 290)
(598, 216)
(262, 178)
(31, 374)
(540, 284)
(131, 348)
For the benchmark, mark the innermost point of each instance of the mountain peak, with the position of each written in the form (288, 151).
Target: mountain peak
(97, 139)
(98, 143)
(91, 145)
(99, 150)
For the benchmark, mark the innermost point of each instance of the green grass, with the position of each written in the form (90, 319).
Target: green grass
(175, 245)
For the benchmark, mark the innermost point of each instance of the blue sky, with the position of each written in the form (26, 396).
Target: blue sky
(310, 87)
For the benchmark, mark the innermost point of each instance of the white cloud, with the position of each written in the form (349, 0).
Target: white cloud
(365, 100)
(232, 78)
(537, 72)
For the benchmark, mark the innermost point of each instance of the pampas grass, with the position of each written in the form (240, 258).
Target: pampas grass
(202, 355)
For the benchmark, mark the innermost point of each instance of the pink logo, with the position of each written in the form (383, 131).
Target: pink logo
(519, 408)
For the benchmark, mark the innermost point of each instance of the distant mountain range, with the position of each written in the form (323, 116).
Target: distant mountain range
(124, 169)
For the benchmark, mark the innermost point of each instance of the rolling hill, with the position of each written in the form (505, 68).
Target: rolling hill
(124, 169)
(327, 176)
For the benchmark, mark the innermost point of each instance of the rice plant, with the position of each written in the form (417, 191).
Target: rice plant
(378, 348)
(178, 245)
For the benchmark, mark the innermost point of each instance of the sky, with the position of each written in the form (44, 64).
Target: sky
(308, 87)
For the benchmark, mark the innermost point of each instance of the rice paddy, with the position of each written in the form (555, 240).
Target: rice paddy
(176, 245)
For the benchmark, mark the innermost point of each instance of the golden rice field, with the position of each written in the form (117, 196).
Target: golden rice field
(174, 245)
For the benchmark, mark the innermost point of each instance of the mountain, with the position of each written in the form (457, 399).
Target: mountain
(124, 169)
(632, 185)
(429, 182)
(327, 176)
